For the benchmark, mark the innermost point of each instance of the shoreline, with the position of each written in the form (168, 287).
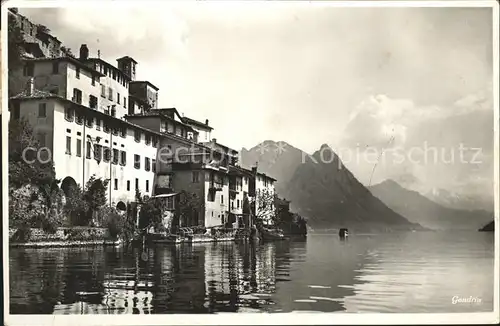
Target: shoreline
(63, 244)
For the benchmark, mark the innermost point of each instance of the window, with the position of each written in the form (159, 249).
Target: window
(55, 68)
(155, 141)
(128, 185)
(137, 136)
(137, 161)
(98, 123)
(41, 136)
(148, 139)
(147, 164)
(116, 184)
(170, 127)
(78, 72)
(115, 131)
(124, 102)
(88, 150)
(232, 204)
(136, 183)
(110, 94)
(68, 145)
(29, 69)
(238, 203)
(118, 98)
(77, 96)
(211, 196)
(169, 203)
(42, 110)
(153, 165)
(93, 80)
(222, 199)
(89, 122)
(106, 127)
(116, 153)
(163, 126)
(123, 131)
(97, 152)
(113, 111)
(92, 102)
(123, 158)
(196, 177)
(79, 118)
(106, 110)
(107, 154)
(78, 147)
(103, 90)
(68, 114)
(147, 185)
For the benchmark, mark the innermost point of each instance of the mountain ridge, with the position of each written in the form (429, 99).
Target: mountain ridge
(322, 188)
(418, 208)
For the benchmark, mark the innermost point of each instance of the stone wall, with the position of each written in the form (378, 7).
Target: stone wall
(61, 234)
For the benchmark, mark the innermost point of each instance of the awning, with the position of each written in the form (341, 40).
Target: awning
(165, 195)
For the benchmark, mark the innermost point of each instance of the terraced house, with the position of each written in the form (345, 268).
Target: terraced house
(95, 118)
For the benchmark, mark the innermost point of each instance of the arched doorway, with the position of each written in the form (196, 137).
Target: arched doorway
(68, 186)
(121, 206)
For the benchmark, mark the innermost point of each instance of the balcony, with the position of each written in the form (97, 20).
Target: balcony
(215, 186)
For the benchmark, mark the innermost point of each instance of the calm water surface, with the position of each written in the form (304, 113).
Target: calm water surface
(398, 272)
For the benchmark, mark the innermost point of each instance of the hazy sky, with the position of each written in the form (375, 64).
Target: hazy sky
(309, 75)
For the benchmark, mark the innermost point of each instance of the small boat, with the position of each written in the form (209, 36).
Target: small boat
(270, 234)
(343, 233)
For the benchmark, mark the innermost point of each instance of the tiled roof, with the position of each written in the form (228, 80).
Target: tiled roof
(35, 94)
(74, 61)
(196, 123)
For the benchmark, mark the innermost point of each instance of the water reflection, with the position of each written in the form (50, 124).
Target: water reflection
(410, 272)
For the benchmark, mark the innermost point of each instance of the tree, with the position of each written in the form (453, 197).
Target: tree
(189, 206)
(299, 225)
(32, 176)
(43, 29)
(76, 207)
(150, 214)
(67, 52)
(95, 195)
(113, 221)
(263, 207)
(51, 197)
(15, 52)
(24, 166)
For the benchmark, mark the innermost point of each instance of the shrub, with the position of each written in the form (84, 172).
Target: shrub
(113, 221)
(22, 234)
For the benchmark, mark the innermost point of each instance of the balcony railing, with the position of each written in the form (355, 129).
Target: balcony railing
(217, 186)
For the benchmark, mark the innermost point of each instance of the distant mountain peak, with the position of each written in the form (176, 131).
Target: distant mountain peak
(420, 209)
(390, 183)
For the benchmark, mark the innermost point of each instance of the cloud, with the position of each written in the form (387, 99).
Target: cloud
(418, 130)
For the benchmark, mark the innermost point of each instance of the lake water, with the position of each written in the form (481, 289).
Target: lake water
(398, 272)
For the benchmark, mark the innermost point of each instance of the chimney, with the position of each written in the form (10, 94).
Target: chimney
(30, 86)
(254, 170)
(206, 122)
(84, 52)
(214, 140)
